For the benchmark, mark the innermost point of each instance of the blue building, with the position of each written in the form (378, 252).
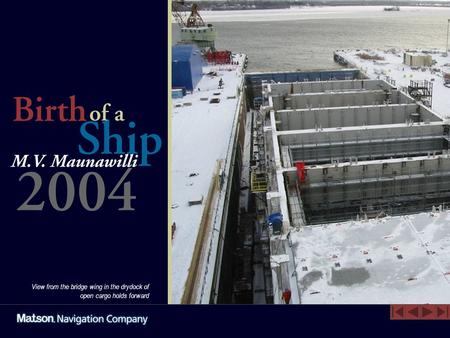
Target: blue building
(187, 62)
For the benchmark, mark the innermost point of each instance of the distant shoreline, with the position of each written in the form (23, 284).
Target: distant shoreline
(319, 12)
(218, 6)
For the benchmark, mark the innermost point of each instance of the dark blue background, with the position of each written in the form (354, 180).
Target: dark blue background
(236, 321)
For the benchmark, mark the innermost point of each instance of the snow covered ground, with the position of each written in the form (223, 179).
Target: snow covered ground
(315, 12)
(393, 66)
(201, 134)
(391, 260)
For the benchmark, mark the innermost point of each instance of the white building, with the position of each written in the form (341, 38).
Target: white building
(417, 59)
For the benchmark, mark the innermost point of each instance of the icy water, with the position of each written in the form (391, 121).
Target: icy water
(309, 43)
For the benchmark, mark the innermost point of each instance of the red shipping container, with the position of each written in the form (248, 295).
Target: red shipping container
(301, 171)
(219, 57)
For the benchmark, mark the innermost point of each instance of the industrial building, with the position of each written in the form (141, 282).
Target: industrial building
(187, 66)
(417, 59)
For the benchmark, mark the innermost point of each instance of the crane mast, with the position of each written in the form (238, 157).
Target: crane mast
(193, 28)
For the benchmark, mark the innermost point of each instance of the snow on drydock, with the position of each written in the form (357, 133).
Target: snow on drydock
(393, 66)
(201, 136)
(404, 259)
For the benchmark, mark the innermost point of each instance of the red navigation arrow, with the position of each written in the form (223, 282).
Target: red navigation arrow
(420, 312)
(426, 312)
(441, 311)
(399, 311)
(414, 312)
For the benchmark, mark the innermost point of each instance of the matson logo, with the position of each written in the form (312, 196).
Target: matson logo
(23, 318)
(79, 320)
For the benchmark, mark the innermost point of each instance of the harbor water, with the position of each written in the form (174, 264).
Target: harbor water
(308, 43)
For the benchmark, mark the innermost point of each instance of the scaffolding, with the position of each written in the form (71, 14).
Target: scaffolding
(258, 182)
(258, 176)
(421, 91)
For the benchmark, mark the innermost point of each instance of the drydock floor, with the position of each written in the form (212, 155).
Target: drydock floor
(391, 260)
